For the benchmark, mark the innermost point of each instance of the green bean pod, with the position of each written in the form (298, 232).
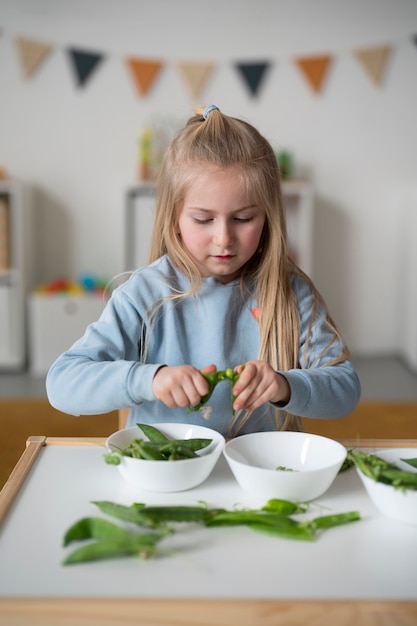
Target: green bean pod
(152, 433)
(213, 378)
(329, 521)
(195, 443)
(131, 514)
(238, 518)
(176, 451)
(94, 528)
(142, 546)
(284, 531)
(283, 507)
(160, 514)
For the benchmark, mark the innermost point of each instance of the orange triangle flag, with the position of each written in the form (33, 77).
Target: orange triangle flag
(144, 73)
(315, 69)
(374, 61)
(31, 54)
(195, 76)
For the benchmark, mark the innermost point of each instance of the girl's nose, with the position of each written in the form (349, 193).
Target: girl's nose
(224, 235)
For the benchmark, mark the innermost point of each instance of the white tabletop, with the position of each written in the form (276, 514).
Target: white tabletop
(373, 559)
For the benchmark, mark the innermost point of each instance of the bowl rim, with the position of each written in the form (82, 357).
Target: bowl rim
(283, 432)
(205, 452)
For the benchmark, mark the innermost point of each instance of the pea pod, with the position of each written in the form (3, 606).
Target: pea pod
(213, 378)
(247, 517)
(285, 531)
(142, 546)
(160, 514)
(131, 514)
(284, 507)
(149, 452)
(412, 462)
(329, 521)
(177, 450)
(152, 433)
(94, 528)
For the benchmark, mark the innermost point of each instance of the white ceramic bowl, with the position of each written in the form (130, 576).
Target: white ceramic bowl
(314, 462)
(394, 503)
(168, 476)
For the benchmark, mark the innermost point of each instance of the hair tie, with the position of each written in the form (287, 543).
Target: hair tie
(207, 110)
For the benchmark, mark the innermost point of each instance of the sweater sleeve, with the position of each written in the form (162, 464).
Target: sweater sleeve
(320, 389)
(99, 371)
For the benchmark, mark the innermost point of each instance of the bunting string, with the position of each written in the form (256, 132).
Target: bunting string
(144, 72)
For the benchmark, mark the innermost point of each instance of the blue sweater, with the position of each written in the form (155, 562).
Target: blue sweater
(102, 371)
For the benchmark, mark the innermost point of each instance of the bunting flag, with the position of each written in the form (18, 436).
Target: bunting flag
(31, 54)
(195, 76)
(253, 74)
(144, 73)
(314, 69)
(84, 63)
(374, 61)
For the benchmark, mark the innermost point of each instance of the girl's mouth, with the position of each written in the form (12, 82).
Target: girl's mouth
(223, 257)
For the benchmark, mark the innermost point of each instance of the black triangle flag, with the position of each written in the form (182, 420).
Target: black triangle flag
(84, 63)
(253, 74)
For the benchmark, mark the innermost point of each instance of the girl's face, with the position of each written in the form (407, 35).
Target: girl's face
(219, 223)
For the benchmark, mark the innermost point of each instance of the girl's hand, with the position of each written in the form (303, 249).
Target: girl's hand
(180, 385)
(259, 383)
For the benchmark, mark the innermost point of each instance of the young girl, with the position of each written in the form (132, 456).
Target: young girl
(221, 292)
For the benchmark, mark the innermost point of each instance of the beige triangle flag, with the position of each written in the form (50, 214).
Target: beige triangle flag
(374, 61)
(195, 76)
(144, 73)
(31, 54)
(315, 69)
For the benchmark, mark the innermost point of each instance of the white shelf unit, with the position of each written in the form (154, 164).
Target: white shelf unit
(14, 272)
(298, 201)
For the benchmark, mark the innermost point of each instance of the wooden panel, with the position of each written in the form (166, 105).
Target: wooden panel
(19, 419)
(39, 612)
(371, 420)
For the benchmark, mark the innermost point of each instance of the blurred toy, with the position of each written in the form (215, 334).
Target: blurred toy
(87, 283)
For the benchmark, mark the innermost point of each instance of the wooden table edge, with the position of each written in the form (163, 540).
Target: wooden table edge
(196, 611)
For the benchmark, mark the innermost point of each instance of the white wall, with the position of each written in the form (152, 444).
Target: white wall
(357, 142)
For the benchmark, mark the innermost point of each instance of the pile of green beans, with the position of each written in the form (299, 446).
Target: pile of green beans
(382, 471)
(158, 448)
(155, 523)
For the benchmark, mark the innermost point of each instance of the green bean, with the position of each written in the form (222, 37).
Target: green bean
(175, 450)
(237, 518)
(329, 521)
(195, 443)
(285, 531)
(149, 452)
(127, 513)
(93, 528)
(142, 546)
(213, 378)
(284, 507)
(159, 514)
(152, 433)
(412, 462)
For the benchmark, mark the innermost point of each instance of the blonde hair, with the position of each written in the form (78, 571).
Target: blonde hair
(226, 141)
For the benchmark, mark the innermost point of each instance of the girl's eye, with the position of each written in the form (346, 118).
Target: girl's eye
(243, 219)
(201, 221)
